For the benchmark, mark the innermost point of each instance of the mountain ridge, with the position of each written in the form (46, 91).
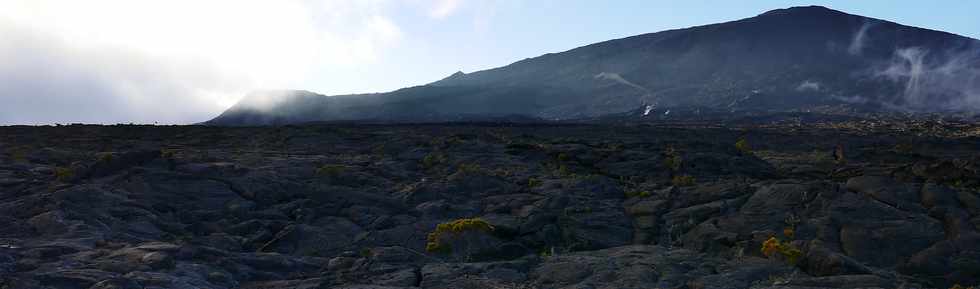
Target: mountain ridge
(785, 59)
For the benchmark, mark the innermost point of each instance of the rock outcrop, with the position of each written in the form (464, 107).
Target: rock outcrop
(585, 206)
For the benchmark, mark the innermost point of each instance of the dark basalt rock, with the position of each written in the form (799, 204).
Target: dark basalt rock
(575, 208)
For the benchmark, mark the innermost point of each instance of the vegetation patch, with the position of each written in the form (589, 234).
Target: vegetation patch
(432, 160)
(63, 174)
(534, 182)
(683, 181)
(743, 147)
(332, 170)
(434, 239)
(773, 247)
(673, 161)
(637, 194)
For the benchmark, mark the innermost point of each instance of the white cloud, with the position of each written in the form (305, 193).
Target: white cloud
(176, 61)
(444, 8)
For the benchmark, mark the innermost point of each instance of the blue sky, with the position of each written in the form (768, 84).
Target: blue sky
(183, 61)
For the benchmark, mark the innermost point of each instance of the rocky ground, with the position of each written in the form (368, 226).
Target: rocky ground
(536, 206)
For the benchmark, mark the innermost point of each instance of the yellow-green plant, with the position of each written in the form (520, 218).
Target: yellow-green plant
(63, 174)
(433, 159)
(742, 145)
(563, 157)
(563, 170)
(545, 253)
(533, 182)
(773, 246)
(167, 153)
(105, 157)
(330, 170)
(672, 159)
(958, 286)
(434, 239)
(904, 148)
(469, 168)
(637, 194)
(378, 149)
(682, 181)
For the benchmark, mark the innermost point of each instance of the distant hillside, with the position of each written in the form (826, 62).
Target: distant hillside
(792, 59)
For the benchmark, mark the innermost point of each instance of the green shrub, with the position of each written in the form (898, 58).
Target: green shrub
(168, 153)
(683, 181)
(331, 170)
(105, 157)
(433, 159)
(672, 159)
(366, 253)
(637, 194)
(533, 182)
(378, 149)
(63, 174)
(434, 239)
(469, 169)
(742, 145)
(563, 170)
(904, 148)
(773, 246)
(563, 157)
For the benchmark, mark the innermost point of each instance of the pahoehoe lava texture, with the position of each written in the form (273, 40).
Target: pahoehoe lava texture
(571, 206)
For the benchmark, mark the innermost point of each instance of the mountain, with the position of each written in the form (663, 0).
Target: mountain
(794, 59)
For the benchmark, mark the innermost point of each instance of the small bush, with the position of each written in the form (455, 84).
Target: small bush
(673, 163)
(469, 169)
(672, 159)
(563, 170)
(366, 253)
(774, 247)
(545, 253)
(637, 194)
(904, 148)
(168, 153)
(434, 239)
(742, 145)
(789, 232)
(105, 157)
(378, 150)
(330, 170)
(683, 181)
(432, 160)
(63, 174)
(562, 157)
(534, 182)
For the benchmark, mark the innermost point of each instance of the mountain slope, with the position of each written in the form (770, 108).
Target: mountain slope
(789, 59)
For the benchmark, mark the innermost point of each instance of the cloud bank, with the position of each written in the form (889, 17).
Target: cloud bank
(931, 80)
(926, 79)
(177, 61)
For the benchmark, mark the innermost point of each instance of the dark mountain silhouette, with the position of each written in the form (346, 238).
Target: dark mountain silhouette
(793, 59)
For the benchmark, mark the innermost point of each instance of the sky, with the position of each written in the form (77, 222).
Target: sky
(185, 61)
